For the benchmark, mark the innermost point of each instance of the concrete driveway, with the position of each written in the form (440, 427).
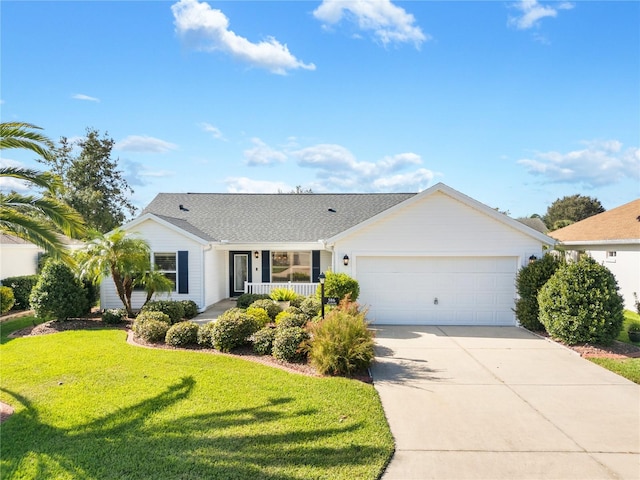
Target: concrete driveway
(502, 403)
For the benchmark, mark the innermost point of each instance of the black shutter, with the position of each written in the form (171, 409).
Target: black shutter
(183, 271)
(266, 273)
(315, 265)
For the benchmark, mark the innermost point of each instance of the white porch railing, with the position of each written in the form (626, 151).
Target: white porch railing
(305, 289)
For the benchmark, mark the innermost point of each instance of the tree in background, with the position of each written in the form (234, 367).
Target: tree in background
(93, 184)
(123, 257)
(567, 210)
(40, 218)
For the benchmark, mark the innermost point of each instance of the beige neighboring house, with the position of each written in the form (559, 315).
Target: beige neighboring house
(611, 238)
(17, 257)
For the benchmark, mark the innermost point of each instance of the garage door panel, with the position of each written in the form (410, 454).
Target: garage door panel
(470, 290)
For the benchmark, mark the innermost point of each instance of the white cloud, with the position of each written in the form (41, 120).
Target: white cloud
(214, 131)
(600, 163)
(247, 185)
(145, 144)
(531, 12)
(208, 29)
(388, 22)
(263, 154)
(87, 98)
(337, 169)
(8, 184)
(137, 174)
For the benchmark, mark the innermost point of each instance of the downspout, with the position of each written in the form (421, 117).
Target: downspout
(203, 289)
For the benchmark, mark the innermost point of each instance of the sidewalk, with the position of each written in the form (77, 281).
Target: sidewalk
(214, 311)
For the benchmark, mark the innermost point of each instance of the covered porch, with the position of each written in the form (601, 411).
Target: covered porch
(305, 289)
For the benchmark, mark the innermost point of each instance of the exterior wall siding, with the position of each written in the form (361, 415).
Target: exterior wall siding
(626, 268)
(18, 260)
(438, 225)
(162, 239)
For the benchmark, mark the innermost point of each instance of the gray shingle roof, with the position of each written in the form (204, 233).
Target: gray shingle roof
(253, 217)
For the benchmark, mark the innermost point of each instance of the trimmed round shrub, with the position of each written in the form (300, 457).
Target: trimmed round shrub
(151, 326)
(263, 340)
(272, 308)
(114, 316)
(580, 304)
(232, 329)
(311, 307)
(7, 299)
(182, 334)
(530, 279)
(342, 344)
(260, 315)
(297, 301)
(172, 308)
(246, 299)
(288, 344)
(190, 308)
(204, 334)
(287, 319)
(58, 294)
(159, 316)
(22, 287)
(339, 285)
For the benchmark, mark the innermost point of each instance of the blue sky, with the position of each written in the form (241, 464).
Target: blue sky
(514, 103)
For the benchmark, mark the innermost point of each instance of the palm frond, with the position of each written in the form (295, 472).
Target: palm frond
(46, 180)
(21, 135)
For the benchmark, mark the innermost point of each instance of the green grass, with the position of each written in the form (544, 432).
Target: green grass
(90, 406)
(629, 316)
(628, 367)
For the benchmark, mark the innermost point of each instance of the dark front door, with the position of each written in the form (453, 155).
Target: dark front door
(239, 272)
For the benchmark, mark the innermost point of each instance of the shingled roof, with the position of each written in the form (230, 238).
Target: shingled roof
(252, 217)
(621, 223)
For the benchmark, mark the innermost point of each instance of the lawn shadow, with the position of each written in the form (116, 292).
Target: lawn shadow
(138, 441)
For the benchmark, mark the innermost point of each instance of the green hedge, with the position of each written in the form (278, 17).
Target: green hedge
(22, 287)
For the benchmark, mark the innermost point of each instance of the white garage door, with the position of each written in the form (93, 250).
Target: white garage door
(438, 290)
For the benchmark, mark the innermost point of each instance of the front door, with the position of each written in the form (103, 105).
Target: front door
(239, 272)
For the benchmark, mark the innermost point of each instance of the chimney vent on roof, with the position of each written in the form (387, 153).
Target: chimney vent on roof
(332, 210)
(183, 208)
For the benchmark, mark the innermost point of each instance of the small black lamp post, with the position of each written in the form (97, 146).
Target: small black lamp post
(321, 277)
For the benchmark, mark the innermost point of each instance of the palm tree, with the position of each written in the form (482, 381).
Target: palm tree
(40, 219)
(154, 281)
(122, 256)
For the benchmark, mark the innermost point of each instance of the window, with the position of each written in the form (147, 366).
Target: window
(167, 265)
(611, 256)
(290, 267)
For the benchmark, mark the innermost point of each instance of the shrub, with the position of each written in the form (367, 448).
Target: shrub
(580, 303)
(232, 329)
(296, 302)
(530, 279)
(181, 334)
(342, 343)
(282, 294)
(311, 306)
(204, 334)
(172, 308)
(263, 340)
(7, 300)
(287, 319)
(151, 330)
(260, 315)
(288, 344)
(339, 285)
(114, 315)
(190, 308)
(247, 299)
(58, 293)
(22, 287)
(272, 308)
(92, 291)
(158, 316)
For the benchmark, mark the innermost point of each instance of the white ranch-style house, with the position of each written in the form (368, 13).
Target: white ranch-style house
(435, 257)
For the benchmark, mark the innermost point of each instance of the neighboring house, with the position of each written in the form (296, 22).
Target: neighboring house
(534, 222)
(435, 257)
(612, 238)
(17, 257)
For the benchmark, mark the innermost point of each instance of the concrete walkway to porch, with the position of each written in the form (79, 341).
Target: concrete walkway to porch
(214, 311)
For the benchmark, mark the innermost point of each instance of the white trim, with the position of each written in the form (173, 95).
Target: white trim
(628, 241)
(150, 216)
(470, 202)
(282, 246)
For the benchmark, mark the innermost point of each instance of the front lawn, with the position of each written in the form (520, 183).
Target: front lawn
(88, 405)
(627, 367)
(629, 316)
